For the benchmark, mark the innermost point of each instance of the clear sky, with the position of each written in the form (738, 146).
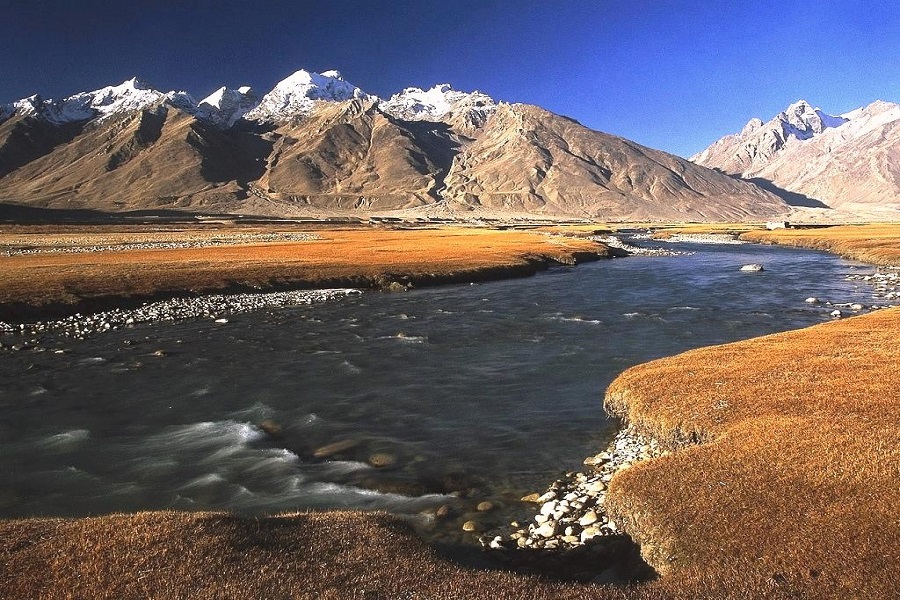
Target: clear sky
(674, 75)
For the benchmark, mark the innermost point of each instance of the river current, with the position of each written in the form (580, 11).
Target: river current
(467, 393)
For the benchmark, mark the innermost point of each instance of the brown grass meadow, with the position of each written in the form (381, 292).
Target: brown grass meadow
(343, 257)
(878, 244)
(784, 483)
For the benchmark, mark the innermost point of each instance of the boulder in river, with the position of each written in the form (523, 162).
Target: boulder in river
(754, 268)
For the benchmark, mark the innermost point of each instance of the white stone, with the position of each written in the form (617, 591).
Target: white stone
(547, 530)
(589, 518)
(547, 497)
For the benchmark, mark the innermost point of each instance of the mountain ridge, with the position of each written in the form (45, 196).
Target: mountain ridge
(316, 144)
(849, 162)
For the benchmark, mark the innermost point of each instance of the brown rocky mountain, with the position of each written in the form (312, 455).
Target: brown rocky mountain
(849, 162)
(527, 159)
(318, 146)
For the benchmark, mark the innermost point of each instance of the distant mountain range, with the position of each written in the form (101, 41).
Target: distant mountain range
(849, 162)
(316, 145)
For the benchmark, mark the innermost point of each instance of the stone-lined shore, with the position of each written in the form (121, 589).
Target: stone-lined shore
(572, 537)
(214, 306)
(24, 249)
(572, 509)
(616, 242)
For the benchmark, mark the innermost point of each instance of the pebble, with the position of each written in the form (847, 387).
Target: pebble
(705, 238)
(381, 460)
(589, 518)
(485, 506)
(471, 526)
(547, 530)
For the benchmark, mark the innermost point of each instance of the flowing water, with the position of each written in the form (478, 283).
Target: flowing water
(470, 392)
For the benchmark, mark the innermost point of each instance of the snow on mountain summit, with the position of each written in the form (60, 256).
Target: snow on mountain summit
(130, 95)
(296, 95)
(416, 104)
(803, 121)
(842, 161)
(758, 142)
(225, 106)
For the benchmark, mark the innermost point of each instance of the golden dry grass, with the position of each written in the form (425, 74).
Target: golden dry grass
(339, 555)
(361, 257)
(795, 482)
(876, 243)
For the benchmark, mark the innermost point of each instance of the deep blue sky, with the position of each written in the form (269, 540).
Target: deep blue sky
(674, 75)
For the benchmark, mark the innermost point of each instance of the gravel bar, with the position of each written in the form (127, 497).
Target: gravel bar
(214, 306)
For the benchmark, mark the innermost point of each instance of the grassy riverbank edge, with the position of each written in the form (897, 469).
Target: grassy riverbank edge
(784, 479)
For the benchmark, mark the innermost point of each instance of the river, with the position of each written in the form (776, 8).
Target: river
(467, 392)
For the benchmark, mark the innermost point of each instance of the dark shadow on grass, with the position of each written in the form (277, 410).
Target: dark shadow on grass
(614, 559)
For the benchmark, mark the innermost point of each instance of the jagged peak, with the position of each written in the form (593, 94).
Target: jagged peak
(799, 106)
(751, 126)
(225, 106)
(415, 103)
(296, 95)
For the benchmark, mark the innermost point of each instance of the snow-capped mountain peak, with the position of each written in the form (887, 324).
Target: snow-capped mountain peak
(225, 106)
(416, 104)
(130, 95)
(803, 121)
(294, 96)
(838, 161)
(297, 94)
(751, 126)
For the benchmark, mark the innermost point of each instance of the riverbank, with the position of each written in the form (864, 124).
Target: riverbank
(53, 275)
(781, 482)
(779, 465)
(878, 243)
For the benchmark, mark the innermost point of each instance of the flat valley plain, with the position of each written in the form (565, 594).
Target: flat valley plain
(782, 483)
